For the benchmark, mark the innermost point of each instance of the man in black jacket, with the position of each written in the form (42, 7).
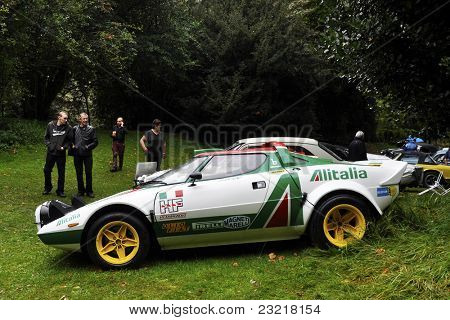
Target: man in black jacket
(357, 149)
(84, 141)
(57, 139)
(118, 145)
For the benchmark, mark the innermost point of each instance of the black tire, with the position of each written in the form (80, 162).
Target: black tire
(343, 206)
(429, 178)
(124, 239)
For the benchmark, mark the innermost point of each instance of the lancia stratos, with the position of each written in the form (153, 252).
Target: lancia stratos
(225, 197)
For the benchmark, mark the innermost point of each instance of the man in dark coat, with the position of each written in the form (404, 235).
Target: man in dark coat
(118, 145)
(357, 149)
(57, 139)
(84, 141)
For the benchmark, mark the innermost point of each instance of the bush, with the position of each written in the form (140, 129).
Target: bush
(17, 132)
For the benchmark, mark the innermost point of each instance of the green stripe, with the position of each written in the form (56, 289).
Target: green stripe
(66, 237)
(295, 198)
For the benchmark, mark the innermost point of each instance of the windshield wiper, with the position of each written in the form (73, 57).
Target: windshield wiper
(136, 184)
(154, 181)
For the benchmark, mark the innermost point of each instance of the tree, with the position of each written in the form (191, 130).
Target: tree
(396, 50)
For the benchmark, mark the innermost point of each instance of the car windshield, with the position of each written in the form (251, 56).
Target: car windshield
(181, 173)
(429, 160)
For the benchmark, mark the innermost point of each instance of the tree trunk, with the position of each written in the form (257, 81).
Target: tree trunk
(43, 89)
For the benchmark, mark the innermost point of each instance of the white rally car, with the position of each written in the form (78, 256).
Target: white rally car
(225, 197)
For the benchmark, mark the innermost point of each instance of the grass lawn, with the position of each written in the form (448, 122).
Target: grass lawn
(404, 256)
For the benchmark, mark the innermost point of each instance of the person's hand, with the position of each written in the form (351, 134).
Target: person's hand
(164, 155)
(145, 150)
(121, 125)
(62, 148)
(114, 133)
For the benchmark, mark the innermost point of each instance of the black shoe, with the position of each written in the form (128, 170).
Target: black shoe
(90, 194)
(60, 194)
(80, 194)
(45, 192)
(113, 170)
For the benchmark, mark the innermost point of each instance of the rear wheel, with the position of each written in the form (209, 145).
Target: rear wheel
(338, 221)
(118, 240)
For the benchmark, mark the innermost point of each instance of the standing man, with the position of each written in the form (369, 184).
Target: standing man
(84, 141)
(357, 149)
(57, 139)
(118, 145)
(153, 144)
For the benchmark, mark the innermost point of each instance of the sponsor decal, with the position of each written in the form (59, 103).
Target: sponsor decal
(236, 222)
(169, 216)
(67, 219)
(178, 193)
(163, 195)
(175, 227)
(274, 163)
(330, 174)
(170, 205)
(383, 192)
(387, 191)
(197, 226)
(277, 171)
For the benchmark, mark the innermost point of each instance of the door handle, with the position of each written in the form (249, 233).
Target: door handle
(259, 185)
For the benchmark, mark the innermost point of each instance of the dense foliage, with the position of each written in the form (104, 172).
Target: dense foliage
(397, 51)
(239, 61)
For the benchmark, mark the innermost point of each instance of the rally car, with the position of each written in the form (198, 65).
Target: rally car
(225, 197)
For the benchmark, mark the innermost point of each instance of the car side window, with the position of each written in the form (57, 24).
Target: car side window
(300, 150)
(222, 166)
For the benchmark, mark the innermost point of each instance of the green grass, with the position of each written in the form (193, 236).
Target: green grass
(404, 256)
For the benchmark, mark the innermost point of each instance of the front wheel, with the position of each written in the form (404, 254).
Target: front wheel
(118, 240)
(338, 221)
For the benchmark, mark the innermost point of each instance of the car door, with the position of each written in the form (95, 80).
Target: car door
(227, 199)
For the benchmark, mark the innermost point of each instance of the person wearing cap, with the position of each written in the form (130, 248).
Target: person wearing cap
(357, 149)
(153, 144)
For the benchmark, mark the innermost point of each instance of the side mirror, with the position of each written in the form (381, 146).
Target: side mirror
(195, 176)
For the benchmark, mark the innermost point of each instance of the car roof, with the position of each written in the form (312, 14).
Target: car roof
(279, 139)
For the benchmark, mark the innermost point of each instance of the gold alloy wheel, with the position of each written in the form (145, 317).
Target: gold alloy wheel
(343, 224)
(117, 242)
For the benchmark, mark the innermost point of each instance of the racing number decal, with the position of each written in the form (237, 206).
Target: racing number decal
(283, 208)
